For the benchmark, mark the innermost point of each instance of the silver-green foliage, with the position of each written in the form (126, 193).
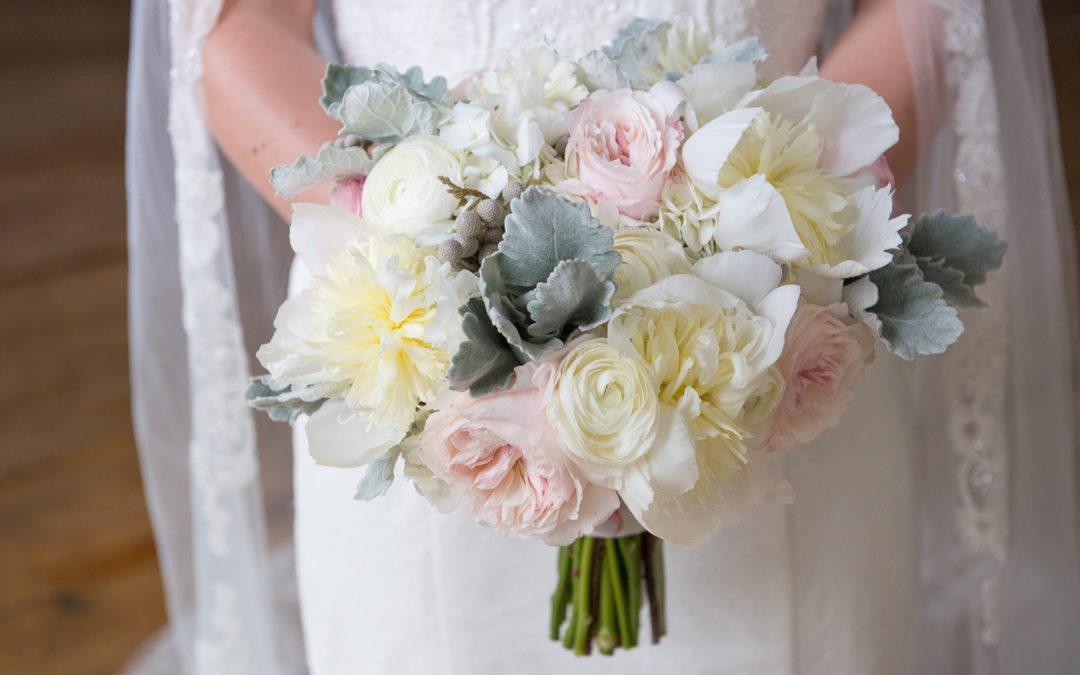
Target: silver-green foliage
(282, 402)
(329, 165)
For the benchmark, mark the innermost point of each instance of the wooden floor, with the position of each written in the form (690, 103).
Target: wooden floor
(79, 588)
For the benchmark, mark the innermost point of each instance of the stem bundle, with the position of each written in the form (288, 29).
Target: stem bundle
(600, 583)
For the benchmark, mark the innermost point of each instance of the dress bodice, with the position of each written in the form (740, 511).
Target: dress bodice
(455, 38)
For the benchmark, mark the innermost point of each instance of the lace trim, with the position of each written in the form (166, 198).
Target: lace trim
(978, 364)
(226, 535)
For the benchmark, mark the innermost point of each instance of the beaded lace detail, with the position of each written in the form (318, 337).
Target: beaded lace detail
(978, 363)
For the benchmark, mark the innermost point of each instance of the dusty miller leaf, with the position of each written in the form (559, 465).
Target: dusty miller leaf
(957, 291)
(636, 45)
(331, 164)
(599, 71)
(282, 402)
(385, 113)
(962, 243)
(339, 79)
(542, 230)
(379, 476)
(915, 319)
(577, 294)
(506, 311)
(483, 361)
(750, 50)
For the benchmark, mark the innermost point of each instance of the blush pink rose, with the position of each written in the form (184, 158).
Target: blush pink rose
(824, 356)
(623, 145)
(505, 466)
(346, 195)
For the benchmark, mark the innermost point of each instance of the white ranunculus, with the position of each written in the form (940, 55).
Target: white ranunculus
(403, 193)
(647, 257)
(614, 428)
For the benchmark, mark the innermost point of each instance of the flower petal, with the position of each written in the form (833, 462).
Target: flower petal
(747, 274)
(752, 214)
(705, 152)
(319, 231)
(867, 247)
(338, 438)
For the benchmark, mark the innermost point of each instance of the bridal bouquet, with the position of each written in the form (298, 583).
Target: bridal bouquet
(588, 301)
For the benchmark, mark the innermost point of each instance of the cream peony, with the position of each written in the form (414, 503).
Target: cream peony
(623, 145)
(647, 257)
(824, 358)
(606, 411)
(375, 329)
(506, 466)
(711, 338)
(403, 194)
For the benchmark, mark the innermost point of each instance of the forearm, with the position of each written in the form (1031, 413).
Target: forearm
(261, 86)
(872, 52)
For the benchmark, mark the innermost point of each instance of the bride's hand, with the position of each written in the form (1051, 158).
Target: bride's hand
(262, 80)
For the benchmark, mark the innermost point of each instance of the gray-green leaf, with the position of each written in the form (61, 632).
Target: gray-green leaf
(484, 361)
(958, 292)
(385, 113)
(379, 476)
(542, 230)
(750, 50)
(636, 45)
(577, 293)
(915, 319)
(337, 81)
(963, 244)
(331, 164)
(282, 402)
(599, 71)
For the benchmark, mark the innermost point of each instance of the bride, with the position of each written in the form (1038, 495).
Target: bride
(934, 531)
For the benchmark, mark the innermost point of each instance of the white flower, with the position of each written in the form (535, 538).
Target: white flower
(647, 257)
(403, 193)
(616, 431)
(529, 100)
(794, 141)
(711, 337)
(376, 329)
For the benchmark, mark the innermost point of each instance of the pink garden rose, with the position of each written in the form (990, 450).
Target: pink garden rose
(623, 145)
(346, 195)
(824, 356)
(505, 466)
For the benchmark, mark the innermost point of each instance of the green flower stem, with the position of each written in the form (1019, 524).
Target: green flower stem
(575, 574)
(581, 596)
(618, 592)
(594, 590)
(561, 598)
(630, 548)
(607, 637)
(654, 585)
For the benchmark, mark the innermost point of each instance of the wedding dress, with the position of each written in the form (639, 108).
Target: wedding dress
(932, 533)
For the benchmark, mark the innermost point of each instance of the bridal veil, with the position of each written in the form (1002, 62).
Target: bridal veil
(208, 267)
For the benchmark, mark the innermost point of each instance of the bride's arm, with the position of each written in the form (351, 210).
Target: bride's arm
(872, 52)
(262, 85)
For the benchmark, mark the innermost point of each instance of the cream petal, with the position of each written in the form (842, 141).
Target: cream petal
(672, 463)
(778, 307)
(597, 505)
(748, 275)
(338, 438)
(712, 88)
(867, 247)
(855, 123)
(705, 152)
(752, 214)
(319, 231)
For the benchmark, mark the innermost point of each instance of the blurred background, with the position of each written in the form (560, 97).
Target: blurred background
(79, 585)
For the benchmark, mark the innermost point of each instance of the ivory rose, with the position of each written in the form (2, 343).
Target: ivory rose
(824, 357)
(505, 465)
(623, 145)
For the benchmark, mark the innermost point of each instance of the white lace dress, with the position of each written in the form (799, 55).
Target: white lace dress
(829, 585)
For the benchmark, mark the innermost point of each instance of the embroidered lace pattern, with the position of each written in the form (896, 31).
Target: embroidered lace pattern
(978, 363)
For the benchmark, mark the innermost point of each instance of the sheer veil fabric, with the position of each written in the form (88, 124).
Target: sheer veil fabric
(997, 468)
